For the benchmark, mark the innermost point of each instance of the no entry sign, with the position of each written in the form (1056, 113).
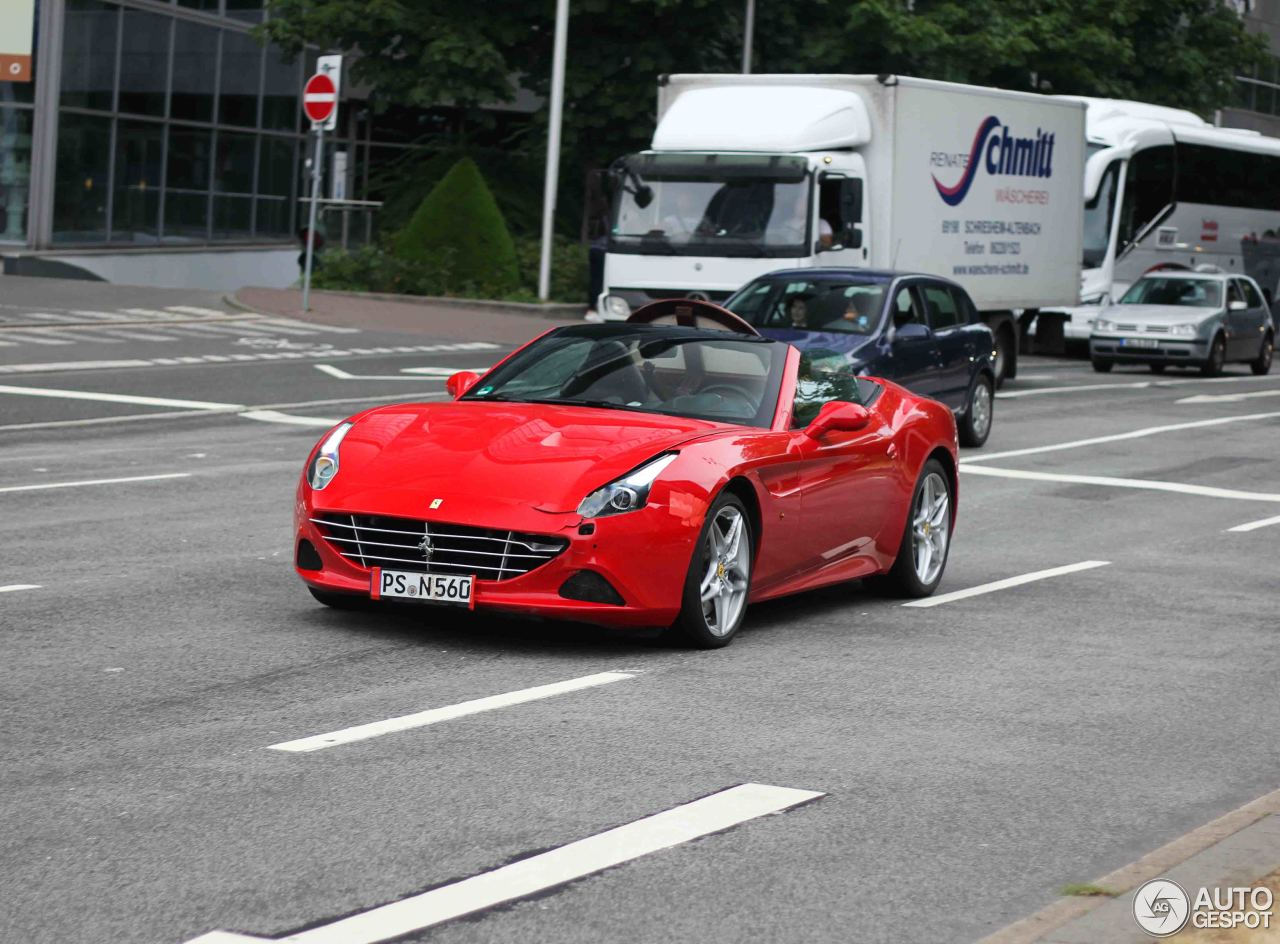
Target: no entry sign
(319, 98)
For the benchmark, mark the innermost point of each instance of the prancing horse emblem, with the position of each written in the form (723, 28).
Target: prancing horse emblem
(426, 547)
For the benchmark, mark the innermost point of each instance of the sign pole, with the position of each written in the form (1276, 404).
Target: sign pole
(316, 165)
(553, 148)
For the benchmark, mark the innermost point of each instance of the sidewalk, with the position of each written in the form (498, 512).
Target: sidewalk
(405, 315)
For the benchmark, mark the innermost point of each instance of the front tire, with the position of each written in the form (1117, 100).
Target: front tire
(719, 578)
(926, 537)
(1005, 353)
(1217, 358)
(975, 425)
(1157, 368)
(1101, 366)
(1261, 364)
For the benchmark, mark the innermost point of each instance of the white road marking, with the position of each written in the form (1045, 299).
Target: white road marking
(548, 870)
(118, 398)
(1228, 397)
(131, 478)
(193, 310)
(341, 374)
(1006, 583)
(30, 336)
(273, 416)
(313, 325)
(1115, 482)
(72, 365)
(1117, 437)
(449, 713)
(445, 372)
(1136, 385)
(19, 586)
(1255, 525)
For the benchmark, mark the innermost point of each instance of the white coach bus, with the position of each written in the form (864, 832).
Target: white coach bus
(1165, 189)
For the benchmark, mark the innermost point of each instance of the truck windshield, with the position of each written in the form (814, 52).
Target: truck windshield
(711, 205)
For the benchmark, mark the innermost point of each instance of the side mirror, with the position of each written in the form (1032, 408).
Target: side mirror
(911, 331)
(838, 416)
(851, 237)
(460, 383)
(1237, 306)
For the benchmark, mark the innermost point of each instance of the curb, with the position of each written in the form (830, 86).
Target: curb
(1125, 879)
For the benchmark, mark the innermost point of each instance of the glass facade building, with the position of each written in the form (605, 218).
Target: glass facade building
(154, 123)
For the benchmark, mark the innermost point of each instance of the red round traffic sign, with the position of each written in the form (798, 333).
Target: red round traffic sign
(319, 97)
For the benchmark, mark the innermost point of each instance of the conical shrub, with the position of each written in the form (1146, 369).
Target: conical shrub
(458, 226)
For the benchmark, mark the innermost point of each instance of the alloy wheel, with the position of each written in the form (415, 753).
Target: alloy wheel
(980, 410)
(930, 528)
(724, 585)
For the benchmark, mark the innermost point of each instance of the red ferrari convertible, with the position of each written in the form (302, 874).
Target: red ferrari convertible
(634, 474)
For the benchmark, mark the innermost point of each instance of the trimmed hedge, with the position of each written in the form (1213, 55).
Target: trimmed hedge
(459, 218)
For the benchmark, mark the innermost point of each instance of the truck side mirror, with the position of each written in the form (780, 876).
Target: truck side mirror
(851, 236)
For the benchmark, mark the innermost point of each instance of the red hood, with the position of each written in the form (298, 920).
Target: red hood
(481, 457)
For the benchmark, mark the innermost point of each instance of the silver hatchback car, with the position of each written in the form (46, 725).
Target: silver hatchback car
(1193, 319)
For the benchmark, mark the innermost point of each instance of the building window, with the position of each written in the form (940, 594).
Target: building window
(15, 172)
(81, 182)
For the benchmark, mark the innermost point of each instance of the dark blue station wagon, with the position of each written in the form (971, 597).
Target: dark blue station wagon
(921, 331)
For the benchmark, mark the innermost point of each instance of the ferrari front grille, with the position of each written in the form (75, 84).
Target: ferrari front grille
(436, 548)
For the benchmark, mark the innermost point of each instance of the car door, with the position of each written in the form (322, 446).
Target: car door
(847, 479)
(1237, 323)
(913, 358)
(948, 318)
(1257, 322)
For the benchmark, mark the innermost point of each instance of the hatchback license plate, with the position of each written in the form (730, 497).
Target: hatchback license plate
(1139, 342)
(428, 588)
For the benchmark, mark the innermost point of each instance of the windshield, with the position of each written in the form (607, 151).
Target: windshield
(1098, 213)
(711, 205)
(1191, 293)
(707, 375)
(845, 306)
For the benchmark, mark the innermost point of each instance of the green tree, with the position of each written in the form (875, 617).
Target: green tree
(459, 219)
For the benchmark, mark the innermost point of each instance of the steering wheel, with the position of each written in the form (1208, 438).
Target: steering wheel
(691, 313)
(728, 393)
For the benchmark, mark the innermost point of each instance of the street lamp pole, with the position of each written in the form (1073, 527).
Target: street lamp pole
(747, 33)
(553, 148)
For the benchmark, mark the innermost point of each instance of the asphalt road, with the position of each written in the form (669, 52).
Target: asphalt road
(974, 756)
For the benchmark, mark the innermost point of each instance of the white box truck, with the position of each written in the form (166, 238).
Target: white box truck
(752, 173)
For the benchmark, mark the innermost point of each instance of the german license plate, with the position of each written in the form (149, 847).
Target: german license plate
(1139, 342)
(427, 588)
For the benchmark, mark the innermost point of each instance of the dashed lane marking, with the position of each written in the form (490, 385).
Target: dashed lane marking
(19, 586)
(547, 870)
(1005, 584)
(131, 478)
(1115, 482)
(274, 416)
(117, 398)
(436, 715)
(1136, 385)
(327, 354)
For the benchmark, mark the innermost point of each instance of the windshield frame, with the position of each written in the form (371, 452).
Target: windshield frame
(489, 389)
(651, 170)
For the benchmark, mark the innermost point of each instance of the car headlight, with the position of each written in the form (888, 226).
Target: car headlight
(615, 306)
(1102, 324)
(324, 466)
(1185, 330)
(627, 493)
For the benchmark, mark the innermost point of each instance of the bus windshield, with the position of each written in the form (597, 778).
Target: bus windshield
(711, 205)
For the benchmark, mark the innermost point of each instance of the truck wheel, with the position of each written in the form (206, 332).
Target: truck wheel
(1217, 358)
(1005, 356)
(975, 425)
(1101, 366)
(1262, 363)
